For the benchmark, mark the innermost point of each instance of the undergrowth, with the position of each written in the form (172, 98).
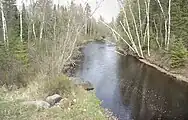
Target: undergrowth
(77, 104)
(178, 54)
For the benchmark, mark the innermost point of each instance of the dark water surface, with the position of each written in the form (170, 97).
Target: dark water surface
(131, 89)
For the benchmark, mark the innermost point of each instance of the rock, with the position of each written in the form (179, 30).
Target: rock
(87, 86)
(52, 100)
(38, 104)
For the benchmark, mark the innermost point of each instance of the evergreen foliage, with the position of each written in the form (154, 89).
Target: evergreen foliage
(158, 26)
(178, 54)
(48, 32)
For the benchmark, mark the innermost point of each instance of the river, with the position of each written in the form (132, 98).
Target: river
(130, 89)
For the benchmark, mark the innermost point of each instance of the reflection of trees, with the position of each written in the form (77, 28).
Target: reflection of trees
(149, 92)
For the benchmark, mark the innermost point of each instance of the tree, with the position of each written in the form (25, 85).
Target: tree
(5, 36)
(146, 24)
(87, 15)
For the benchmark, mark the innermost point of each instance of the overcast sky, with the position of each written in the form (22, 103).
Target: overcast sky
(108, 9)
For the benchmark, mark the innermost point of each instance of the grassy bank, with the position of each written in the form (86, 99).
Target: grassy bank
(77, 104)
(175, 64)
(174, 60)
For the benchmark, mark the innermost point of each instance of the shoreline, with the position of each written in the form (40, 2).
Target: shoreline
(71, 67)
(163, 69)
(177, 77)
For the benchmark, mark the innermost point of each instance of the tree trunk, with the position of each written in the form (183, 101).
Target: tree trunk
(136, 30)
(5, 36)
(21, 24)
(42, 23)
(169, 23)
(129, 31)
(41, 28)
(147, 4)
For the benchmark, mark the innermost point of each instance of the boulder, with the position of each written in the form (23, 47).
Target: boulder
(52, 100)
(84, 84)
(38, 104)
(87, 86)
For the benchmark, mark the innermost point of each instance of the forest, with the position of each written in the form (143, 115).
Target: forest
(41, 38)
(38, 40)
(154, 30)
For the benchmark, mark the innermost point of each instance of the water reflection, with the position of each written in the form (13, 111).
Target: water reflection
(152, 94)
(130, 89)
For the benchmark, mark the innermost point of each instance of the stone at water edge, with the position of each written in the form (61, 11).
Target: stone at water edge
(84, 84)
(52, 100)
(87, 86)
(38, 104)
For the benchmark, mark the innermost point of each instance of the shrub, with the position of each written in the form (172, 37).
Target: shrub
(178, 54)
(60, 85)
(14, 64)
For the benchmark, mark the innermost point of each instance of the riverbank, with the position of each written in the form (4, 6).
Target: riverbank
(162, 64)
(161, 61)
(77, 57)
(178, 77)
(76, 103)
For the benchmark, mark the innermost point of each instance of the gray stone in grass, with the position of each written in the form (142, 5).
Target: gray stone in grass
(38, 104)
(52, 100)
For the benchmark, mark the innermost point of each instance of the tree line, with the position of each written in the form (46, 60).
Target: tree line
(40, 38)
(147, 26)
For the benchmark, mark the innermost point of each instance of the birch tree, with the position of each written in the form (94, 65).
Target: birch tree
(21, 22)
(5, 36)
(169, 23)
(141, 19)
(147, 4)
(42, 22)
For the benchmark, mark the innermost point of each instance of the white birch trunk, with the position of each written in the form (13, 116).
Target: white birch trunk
(118, 35)
(169, 24)
(140, 19)
(33, 28)
(147, 4)
(165, 20)
(54, 27)
(21, 24)
(166, 33)
(5, 36)
(129, 31)
(157, 34)
(42, 24)
(41, 28)
(136, 30)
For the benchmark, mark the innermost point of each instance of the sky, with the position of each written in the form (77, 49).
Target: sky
(108, 8)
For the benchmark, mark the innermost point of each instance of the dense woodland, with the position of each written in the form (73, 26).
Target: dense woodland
(37, 40)
(154, 27)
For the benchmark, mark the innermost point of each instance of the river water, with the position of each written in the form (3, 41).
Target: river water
(130, 89)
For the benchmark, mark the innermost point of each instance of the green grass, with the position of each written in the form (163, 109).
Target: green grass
(78, 104)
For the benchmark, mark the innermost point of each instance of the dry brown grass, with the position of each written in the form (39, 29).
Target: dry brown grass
(76, 104)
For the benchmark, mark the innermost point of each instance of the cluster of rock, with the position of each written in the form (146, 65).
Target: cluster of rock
(50, 101)
(55, 99)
